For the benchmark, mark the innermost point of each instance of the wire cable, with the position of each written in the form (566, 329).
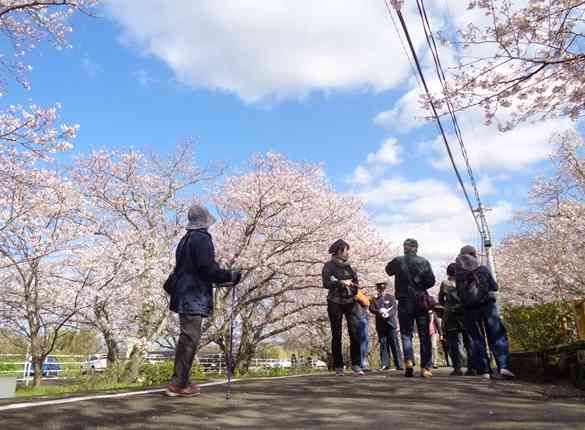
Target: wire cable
(437, 118)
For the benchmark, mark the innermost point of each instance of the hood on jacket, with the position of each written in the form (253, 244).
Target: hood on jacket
(467, 262)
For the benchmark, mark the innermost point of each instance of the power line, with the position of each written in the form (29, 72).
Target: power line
(412, 68)
(435, 114)
(486, 234)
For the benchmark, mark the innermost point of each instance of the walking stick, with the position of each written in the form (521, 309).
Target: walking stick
(230, 357)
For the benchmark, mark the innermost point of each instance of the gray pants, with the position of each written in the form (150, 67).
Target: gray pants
(186, 348)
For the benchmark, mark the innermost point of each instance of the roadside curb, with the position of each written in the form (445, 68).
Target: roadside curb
(24, 405)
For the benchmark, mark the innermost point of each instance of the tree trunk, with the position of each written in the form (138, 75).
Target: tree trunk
(112, 347)
(135, 361)
(38, 369)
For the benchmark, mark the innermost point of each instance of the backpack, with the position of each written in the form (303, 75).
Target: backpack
(475, 292)
(171, 282)
(424, 302)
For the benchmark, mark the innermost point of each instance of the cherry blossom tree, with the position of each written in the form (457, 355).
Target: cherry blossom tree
(277, 219)
(38, 211)
(38, 297)
(545, 260)
(523, 60)
(135, 206)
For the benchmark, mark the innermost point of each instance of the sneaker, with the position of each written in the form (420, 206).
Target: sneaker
(399, 368)
(339, 371)
(426, 373)
(385, 368)
(504, 374)
(357, 371)
(409, 372)
(486, 376)
(190, 391)
(471, 372)
(366, 370)
(435, 367)
(456, 372)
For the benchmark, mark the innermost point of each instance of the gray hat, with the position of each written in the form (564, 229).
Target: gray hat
(199, 217)
(468, 250)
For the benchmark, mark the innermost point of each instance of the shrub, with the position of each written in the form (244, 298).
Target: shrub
(536, 328)
(160, 373)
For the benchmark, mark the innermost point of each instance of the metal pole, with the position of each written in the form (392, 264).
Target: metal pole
(230, 360)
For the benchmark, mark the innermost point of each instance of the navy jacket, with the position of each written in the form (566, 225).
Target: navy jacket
(197, 271)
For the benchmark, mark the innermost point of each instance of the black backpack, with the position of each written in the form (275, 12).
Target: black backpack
(475, 291)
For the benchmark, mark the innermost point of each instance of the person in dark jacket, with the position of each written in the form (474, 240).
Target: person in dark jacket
(413, 275)
(385, 308)
(197, 272)
(476, 288)
(453, 323)
(342, 282)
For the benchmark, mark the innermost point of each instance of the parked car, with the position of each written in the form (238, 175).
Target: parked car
(50, 367)
(96, 363)
(319, 364)
(274, 364)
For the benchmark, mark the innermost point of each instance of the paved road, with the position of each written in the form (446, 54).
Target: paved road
(377, 401)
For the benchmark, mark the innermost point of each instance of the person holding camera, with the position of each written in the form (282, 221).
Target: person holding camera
(385, 308)
(342, 282)
(192, 296)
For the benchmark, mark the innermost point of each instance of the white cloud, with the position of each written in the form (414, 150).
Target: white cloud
(91, 68)
(389, 153)
(276, 48)
(488, 148)
(361, 176)
(432, 211)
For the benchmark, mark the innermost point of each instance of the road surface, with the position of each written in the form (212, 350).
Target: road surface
(377, 401)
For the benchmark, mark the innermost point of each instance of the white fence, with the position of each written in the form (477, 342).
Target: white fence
(73, 366)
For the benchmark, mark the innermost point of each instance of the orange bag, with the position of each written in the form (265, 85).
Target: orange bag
(362, 299)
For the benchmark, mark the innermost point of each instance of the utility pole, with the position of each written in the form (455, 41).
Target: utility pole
(486, 238)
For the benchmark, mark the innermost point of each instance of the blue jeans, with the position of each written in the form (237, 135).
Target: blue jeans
(407, 315)
(476, 320)
(363, 339)
(389, 344)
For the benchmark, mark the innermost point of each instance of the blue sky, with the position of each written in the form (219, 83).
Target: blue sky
(321, 82)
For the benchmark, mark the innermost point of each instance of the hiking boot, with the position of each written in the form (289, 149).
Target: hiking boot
(357, 371)
(190, 391)
(409, 372)
(426, 373)
(339, 371)
(456, 372)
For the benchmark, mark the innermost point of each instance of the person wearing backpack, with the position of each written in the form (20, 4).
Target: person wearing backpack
(476, 288)
(413, 276)
(191, 296)
(453, 323)
(341, 281)
(385, 308)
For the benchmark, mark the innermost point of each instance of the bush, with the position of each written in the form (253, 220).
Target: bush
(161, 373)
(536, 328)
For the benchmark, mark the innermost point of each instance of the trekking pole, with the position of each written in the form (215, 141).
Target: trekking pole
(230, 358)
